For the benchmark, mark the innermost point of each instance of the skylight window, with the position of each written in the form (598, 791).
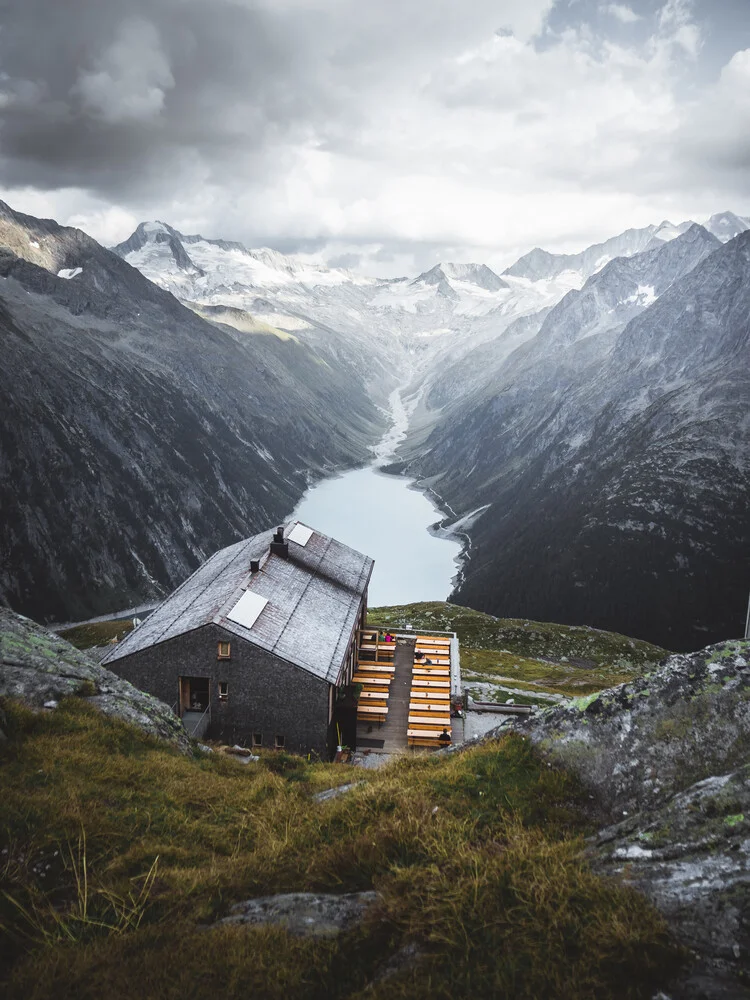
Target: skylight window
(247, 609)
(300, 534)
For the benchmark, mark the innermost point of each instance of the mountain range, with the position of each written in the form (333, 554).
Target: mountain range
(583, 415)
(611, 451)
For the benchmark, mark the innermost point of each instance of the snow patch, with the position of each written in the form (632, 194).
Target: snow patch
(70, 272)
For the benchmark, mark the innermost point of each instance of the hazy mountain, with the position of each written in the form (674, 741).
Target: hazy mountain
(136, 437)
(539, 264)
(475, 274)
(445, 310)
(726, 225)
(617, 464)
(608, 300)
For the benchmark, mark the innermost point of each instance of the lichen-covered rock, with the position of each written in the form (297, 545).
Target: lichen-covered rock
(666, 761)
(691, 857)
(305, 913)
(38, 668)
(638, 744)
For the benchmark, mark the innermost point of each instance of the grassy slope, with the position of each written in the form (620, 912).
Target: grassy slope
(563, 659)
(476, 855)
(96, 634)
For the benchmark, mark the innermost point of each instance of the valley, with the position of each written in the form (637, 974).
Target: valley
(578, 423)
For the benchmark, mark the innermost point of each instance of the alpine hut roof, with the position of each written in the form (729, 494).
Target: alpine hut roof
(312, 598)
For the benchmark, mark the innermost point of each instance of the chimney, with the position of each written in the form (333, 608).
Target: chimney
(254, 565)
(278, 546)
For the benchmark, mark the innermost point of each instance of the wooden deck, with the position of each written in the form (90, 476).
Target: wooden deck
(404, 702)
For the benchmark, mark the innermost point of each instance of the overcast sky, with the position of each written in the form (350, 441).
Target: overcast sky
(383, 135)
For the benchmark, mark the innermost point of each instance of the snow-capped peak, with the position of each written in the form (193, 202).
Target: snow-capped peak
(727, 225)
(475, 274)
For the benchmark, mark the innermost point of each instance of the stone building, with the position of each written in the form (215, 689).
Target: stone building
(252, 648)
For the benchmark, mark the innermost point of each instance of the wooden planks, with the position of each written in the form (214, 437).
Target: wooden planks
(430, 721)
(429, 702)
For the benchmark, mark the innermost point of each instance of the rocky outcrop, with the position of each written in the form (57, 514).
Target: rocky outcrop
(38, 668)
(691, 857)
(640, 743)
(666, 761)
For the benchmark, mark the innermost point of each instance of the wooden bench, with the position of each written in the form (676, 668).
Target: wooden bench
(435, 661)
(415, 741)
(429, 721)
(432, 640)
(373, 678)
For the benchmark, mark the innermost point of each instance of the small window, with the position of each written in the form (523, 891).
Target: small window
(257, 739)
(225, 651)
(223, 690)
(279, 742)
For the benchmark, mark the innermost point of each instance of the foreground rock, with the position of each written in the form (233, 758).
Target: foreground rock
(691, 857)
(636, 745)
(666, 760)
(305, 913)
(39, 668)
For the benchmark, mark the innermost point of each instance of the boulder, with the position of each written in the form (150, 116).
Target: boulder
(38, 668)
(306, 914)
(691, 857)
(636, 745)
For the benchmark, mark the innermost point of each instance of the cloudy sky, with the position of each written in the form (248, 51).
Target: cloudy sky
(384, 135)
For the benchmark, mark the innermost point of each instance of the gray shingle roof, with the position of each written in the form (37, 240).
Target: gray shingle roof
(313, 600)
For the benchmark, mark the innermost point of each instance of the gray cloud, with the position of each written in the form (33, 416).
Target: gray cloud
(382, 134)
(116, 96)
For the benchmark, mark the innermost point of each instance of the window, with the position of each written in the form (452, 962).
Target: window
(224, 651)
(279, 742)
(223, 690)
(257, 739)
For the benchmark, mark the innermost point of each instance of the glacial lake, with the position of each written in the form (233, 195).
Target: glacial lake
(380, 516)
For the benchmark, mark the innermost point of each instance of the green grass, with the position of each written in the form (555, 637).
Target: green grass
(564, 659)
(96, 634)
(120, 853)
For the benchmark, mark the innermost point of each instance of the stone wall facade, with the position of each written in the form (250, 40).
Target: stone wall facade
(265, 694)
